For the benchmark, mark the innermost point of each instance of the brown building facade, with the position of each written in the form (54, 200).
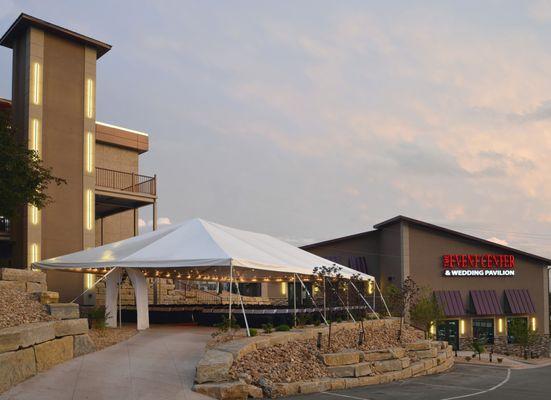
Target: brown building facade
(53, 108)
(481, 286)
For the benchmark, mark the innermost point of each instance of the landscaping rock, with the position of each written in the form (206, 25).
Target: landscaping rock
(83, 345)
(47, 297)
(214, 367)
(320, 385)
(227, 390)
(342, 371)
(343, 358)
(15, 367)
(22, 275)
(362, 369)
(238, 348)
(64, 310)
(420, 345)
(33, 287)
(255, 392)
(53, 352)
(420, 354)
(71, 327)
(387, 366)
(9, 340)
(15, 285)
(286, 389)
(338, 384)
(369, 380)
(29, 334)
(378, 355)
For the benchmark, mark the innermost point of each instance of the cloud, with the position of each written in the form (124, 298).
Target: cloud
(498, 241)
(163, 221)
(141, 223)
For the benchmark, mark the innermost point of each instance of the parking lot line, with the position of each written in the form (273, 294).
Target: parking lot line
(345, 396)
(503, 382)
(447, 386)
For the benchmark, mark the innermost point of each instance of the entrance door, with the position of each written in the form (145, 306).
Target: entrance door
(449, 331)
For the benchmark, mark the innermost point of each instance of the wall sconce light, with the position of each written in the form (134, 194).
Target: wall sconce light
(462, 327)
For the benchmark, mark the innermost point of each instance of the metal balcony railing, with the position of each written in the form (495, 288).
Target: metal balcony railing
(126, 181)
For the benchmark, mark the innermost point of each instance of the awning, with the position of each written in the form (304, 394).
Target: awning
(486, 302)
(519, 301)
(451, 302)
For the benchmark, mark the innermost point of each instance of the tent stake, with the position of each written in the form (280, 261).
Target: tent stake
(365, 301)
(313, 301)
(243, 309)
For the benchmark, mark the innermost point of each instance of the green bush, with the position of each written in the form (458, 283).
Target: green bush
(98, 317)
(282, 328)
(267, 328)
(224, 326)
(253, 331)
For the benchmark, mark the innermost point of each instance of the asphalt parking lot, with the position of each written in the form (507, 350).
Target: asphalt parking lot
(463, 381)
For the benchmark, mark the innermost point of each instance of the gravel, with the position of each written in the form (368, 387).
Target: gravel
(301, 361)
(18, 308)
(109, 336)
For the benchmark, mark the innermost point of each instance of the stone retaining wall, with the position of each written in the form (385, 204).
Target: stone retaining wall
(349, 368)
(23, 280)
(500, 346)
(31, 348)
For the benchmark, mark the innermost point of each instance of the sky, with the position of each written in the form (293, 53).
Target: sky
(309, 120)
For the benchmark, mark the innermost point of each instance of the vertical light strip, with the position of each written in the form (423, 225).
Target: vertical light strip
(36, 82)
(534, 323)
(34, 215)
(89, 98)
(462, 327)
(89, 152)
(34, 253)
(500, 325)
(35, 141)
(89, 218)
(89, 280)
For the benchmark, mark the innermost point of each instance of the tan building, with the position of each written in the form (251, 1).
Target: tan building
(482, 286)
(53, 108)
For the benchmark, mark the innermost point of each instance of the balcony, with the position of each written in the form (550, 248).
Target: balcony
(117, 191)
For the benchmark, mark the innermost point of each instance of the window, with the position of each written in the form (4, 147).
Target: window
(484, 329)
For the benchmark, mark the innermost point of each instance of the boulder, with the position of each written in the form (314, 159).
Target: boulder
(342, 358)
(47, 297)
(15, 367)
(338, 384)
(378, 355)
(22, 275)
(227, 390)
(64, 310)
(83, 345)
(369, 380)
(238, 348)
(362, 369)
(286, 389)
(214, 366)
(53, 352)
(315, 386)
(71, 327)
(342, 371)
(15, 285)
(255, 392)
(9, 340)
(387, 366)
(420, 354)
(29, 334)
(33, 287)
(420, 345)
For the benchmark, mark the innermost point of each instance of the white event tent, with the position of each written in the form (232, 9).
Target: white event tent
(195, 249)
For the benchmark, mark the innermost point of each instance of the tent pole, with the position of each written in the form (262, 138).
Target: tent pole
(243, 309)
(295, 297)
(231, 287)
(313, 301)
(382, 298)
(324, 300)
(120, 304)
(365, 301)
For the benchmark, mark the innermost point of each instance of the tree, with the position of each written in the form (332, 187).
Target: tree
(426, 311)
(401, 299)
(23, 177)
(522, 335)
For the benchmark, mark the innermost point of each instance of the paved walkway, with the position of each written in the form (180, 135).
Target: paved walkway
(158, 364)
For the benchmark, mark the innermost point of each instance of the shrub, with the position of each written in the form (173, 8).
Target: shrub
(499, 360)
(253, 332)
(98, 317)
(224, 325)
(282, 328)
(467, 358)
(267, 328)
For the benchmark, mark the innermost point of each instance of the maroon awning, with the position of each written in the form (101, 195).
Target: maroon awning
(519, 301)
(451, 302)
(486, 302)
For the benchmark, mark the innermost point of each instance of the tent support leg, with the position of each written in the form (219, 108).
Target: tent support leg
(313, 301)
(383, 299)
(111, 295)
(231, 288)
(295, 298)
(243, 310)
(364, 300)
(324, 301)
(139, 282)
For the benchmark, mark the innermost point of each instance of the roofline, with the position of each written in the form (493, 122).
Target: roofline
(336, 240)
(25, 20)
(121, 128)
(402, 218)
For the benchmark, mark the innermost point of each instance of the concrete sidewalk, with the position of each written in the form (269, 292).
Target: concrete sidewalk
(158, 363)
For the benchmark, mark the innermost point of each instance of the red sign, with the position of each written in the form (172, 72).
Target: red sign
(478, 264)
